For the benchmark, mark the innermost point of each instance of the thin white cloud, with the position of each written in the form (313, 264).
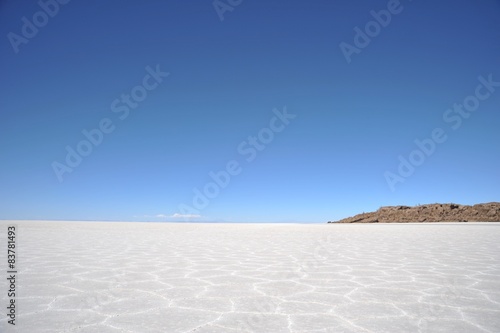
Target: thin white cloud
(186, 216)
(174, 216)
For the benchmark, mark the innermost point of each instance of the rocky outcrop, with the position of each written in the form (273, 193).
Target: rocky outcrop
(486, 212)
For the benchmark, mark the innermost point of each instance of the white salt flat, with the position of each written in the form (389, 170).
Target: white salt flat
(292, 278)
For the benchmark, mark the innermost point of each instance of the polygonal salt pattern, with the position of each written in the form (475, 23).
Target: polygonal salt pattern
(151, 277)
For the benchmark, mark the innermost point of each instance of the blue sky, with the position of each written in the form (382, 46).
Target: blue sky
(333, 130)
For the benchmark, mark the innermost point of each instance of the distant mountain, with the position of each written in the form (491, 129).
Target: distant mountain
(485, 212)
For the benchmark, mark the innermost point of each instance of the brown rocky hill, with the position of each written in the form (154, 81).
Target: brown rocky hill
(486, 212)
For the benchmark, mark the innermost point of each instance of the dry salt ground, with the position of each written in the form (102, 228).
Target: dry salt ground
(163, 277)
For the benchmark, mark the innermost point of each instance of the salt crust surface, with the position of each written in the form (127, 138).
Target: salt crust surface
(181, 277)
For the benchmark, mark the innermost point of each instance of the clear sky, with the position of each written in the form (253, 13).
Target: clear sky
(303, 111)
